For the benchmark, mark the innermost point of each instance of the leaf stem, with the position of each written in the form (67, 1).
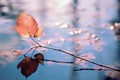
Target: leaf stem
(30, 50)
(33, 52)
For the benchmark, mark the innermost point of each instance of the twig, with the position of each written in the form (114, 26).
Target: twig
(34, 41)
(30, 50)
(101, 65)
(33, 51)
(100, 69)
(56, 49)
(58, 61)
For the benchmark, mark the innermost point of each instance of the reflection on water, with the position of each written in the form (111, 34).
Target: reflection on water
(71, 25)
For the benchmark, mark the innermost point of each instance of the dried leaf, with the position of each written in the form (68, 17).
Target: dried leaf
(27, 26)
(28, 66)
(40, 58)
(39, 32)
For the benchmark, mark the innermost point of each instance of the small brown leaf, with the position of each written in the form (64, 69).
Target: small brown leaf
(28, 66)
(40, 58)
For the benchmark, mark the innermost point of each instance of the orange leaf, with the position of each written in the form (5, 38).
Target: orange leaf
(28, 66)
(39, 32)
(27, 26)
(40, 58)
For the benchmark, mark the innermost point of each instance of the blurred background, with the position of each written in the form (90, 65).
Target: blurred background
(83, 27)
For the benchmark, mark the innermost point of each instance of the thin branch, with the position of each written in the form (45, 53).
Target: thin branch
(35, 41)
(30, 50)
(58, 61)
(101, 65)
(56, 49)
(100, 69)
(33, 51)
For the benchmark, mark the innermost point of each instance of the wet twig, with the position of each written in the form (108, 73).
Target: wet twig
(58, 61)
(99, 69)
(56, 49)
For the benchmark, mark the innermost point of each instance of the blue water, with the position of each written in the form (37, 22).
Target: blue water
(54, 16)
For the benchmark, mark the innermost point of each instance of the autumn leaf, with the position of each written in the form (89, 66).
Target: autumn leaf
(28, 66)
(40, 58)
(27, 26)
(39, 32)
